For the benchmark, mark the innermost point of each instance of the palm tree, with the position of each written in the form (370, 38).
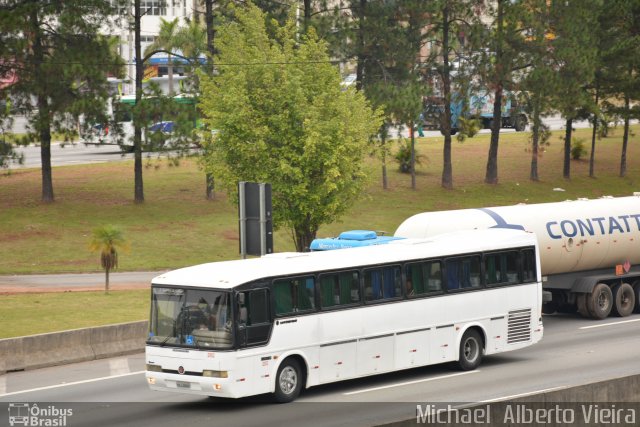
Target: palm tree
(165, 41)
(107, 240)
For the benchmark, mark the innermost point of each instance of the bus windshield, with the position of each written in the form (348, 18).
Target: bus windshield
(190, 318)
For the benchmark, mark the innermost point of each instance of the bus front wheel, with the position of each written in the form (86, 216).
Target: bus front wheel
(470, 350)
(288, 381)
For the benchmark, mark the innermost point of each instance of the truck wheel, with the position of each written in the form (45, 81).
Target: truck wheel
(550, 307)
(520, 123)
(624, 300)
(470, 354)
(636, 293)
(581, 303)
(288, 381)
(600, 301)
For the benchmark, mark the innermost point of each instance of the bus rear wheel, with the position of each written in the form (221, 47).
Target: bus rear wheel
(470, 350)
(624, 300)
(288, 381)
(600, 301)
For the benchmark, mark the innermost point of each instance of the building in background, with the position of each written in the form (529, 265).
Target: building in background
(152, 11)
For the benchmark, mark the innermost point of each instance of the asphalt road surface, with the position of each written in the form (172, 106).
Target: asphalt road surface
(79, 153)
(74, 282)
(113, 392)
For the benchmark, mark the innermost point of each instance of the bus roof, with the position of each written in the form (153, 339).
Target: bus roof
(229, 274)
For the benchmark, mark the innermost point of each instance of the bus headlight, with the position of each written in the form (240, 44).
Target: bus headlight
(154, 368)
(215, 374)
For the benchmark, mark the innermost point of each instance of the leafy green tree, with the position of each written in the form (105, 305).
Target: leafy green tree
(108, 240)
(573, 28)
(497, 60)
(282, 118)
(61, 63)
(619, 77)
(388, 50)
(541, 81)
(449, 19)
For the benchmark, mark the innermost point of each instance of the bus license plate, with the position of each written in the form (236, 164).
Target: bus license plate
(183, 384)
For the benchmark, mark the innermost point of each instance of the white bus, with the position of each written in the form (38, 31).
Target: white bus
(288, 321)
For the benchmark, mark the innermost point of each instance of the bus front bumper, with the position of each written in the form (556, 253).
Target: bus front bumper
(204, 386)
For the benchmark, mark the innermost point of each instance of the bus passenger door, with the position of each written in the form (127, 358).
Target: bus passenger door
(254, 329)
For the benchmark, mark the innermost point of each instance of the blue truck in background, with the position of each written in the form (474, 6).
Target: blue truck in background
(477, 105)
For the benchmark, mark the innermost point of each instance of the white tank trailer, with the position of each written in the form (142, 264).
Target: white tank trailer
(589, 249)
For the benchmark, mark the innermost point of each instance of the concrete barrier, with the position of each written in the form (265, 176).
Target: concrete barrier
(77, 345)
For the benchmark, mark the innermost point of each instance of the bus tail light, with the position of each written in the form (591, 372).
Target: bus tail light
(151, 380)
(215, 374)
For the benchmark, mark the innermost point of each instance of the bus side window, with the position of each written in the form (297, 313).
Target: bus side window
(434, 276)
(339, 289)
(294, 295)
(453, 274)
(382, 283)
(415, 279)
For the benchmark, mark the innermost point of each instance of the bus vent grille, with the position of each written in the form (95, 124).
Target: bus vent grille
(519, 326)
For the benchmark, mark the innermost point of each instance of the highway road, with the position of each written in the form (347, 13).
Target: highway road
(79, 153)
(113, 392)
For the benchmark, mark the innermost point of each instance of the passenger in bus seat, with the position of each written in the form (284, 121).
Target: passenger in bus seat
(409, 288)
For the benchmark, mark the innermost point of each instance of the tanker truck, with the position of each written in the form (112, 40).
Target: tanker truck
(589, 249)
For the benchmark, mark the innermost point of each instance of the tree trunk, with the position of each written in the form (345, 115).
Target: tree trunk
(385, 179)
(413, 157)
(491, 175)
(170, 70)
(210, 185)
(44, 117)
(625, 137)
(304, 235)
(208, 18)
(566, 171)
(307, 15)
(533, 175)
(137, 131)
(361, 55)
(447, 170)
(594, 133)
(106, 281)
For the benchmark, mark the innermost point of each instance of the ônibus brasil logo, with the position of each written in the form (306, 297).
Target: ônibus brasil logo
(27, 414)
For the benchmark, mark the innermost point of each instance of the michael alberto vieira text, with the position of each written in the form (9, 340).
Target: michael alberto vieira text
(512, 413)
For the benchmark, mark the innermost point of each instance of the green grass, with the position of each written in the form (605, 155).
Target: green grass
(28, 314)
(177, 226)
